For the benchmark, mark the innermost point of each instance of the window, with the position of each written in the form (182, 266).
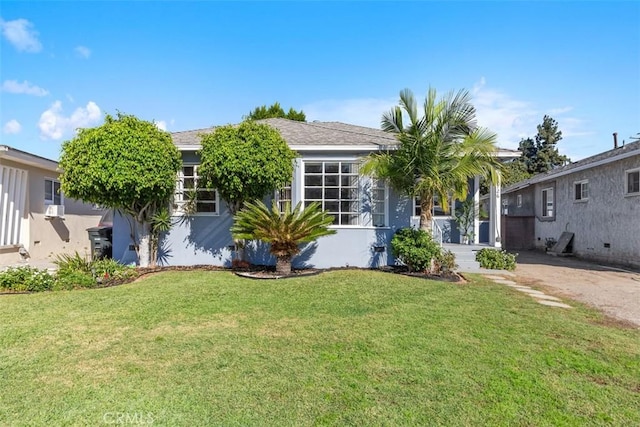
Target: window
(52, 193)
(335, 185)
(283, 196)
(547, 202)
(378, 203)
(581, 190)
(519, 200)
(437, 207)
(191, 199)
(633, 181)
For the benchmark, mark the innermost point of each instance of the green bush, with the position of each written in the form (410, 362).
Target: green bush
(414, 248)
(21, 279)
(74, 279)
(496, 259)
(446, 261)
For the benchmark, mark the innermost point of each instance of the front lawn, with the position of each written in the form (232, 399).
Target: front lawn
(343, 347)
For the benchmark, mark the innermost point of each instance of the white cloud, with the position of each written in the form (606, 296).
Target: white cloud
(83, 51)
(161, 124)
(11, 127)
(358, 111)
(13, 86)
(53, 124)
(21, 35)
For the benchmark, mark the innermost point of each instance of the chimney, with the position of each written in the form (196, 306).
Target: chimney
(615, 140)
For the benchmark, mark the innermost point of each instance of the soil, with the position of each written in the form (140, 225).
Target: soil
(613, 290)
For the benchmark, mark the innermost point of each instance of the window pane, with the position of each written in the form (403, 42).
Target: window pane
(331, 168)
(331, 206)
(331, 180)
(313, 168)
(205, 207)
(633, 182)
(313, 181)
(313, 193)
(331, 193)
(48, 189)
(188, 171)
(349, 219)
(349, 168)
(348, 193)
(349, 181)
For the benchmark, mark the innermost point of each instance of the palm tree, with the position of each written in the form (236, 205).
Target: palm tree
(438, 151)
(285, 231)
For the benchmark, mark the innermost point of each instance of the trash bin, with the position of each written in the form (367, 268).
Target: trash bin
(101, 242)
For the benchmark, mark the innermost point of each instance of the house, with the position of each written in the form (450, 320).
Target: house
(366, 212)
(36, 220)
(597, 199)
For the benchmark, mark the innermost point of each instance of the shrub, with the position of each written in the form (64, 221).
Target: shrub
(72, 263)
(446, 262)
(76, 271)
(414, 248)
(496, 259)
(20, 279)
(74, 279)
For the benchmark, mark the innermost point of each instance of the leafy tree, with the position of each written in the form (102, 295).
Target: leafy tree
(514, 171)
(127, 164)
(245, 162)
(540, 154)
(285, 231)
(438, 151)
(276, 111)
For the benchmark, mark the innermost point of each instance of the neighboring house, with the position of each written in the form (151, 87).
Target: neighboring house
(597, 199)
(366, 212)
(34, 214)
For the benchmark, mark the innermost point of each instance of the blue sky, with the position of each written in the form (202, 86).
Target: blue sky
(190, 65)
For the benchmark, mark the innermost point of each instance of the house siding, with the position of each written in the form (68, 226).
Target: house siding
(608, 217)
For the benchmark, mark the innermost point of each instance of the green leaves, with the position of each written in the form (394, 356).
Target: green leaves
(439, 149)
(284, 231)
(245, 162)
(276, 111)
(126, 163)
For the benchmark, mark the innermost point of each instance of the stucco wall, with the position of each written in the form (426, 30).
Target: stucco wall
(607, 217)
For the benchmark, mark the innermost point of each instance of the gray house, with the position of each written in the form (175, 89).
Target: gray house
(366, 212)
(597, 199)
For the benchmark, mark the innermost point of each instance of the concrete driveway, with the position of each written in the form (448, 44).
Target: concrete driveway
(615, 291)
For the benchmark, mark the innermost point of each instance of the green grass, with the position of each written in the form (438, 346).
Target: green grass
(344, 347)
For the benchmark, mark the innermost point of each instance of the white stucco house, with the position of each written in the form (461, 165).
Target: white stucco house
(36, 220)
(597, 199)
(366, 212)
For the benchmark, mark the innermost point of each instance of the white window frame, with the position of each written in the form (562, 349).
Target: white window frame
(358, 214)
(583, 196)
(549, 202)
(52, 201)
(627, 173)
(519, 200)
(281, 199)
(384, 201)
(416, 206)
(178, 200)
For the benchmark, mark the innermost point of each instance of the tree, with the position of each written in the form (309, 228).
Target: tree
(285, 231)
(245, 162)
(126, 164)
(438, 151)
(538, 155)
(276, 111)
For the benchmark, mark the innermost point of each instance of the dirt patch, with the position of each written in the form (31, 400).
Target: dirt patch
(613, 290)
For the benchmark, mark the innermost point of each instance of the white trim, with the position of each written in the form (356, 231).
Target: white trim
(178, 212)
(582, 183)
(552, 176)
(545, 211)
(22, 157)
(626, 182)
(353, 148)
(48, 202)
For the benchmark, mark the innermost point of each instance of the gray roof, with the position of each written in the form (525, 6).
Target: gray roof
(308, 133)
(627, 150)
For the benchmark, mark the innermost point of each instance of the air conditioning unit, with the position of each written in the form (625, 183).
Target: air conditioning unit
(54, 211)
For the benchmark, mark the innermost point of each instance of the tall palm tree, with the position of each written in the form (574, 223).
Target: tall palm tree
(438, 150)
(285, 231)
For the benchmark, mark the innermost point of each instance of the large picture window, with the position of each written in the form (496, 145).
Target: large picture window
(547, 202)
(191, 199)
(52, 193)
(335, 185)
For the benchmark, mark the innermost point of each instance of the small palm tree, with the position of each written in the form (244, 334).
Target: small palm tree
(285, 231)
(439, 149)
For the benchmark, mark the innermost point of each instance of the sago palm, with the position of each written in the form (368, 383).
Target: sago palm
(285, 231)
(438, 150)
